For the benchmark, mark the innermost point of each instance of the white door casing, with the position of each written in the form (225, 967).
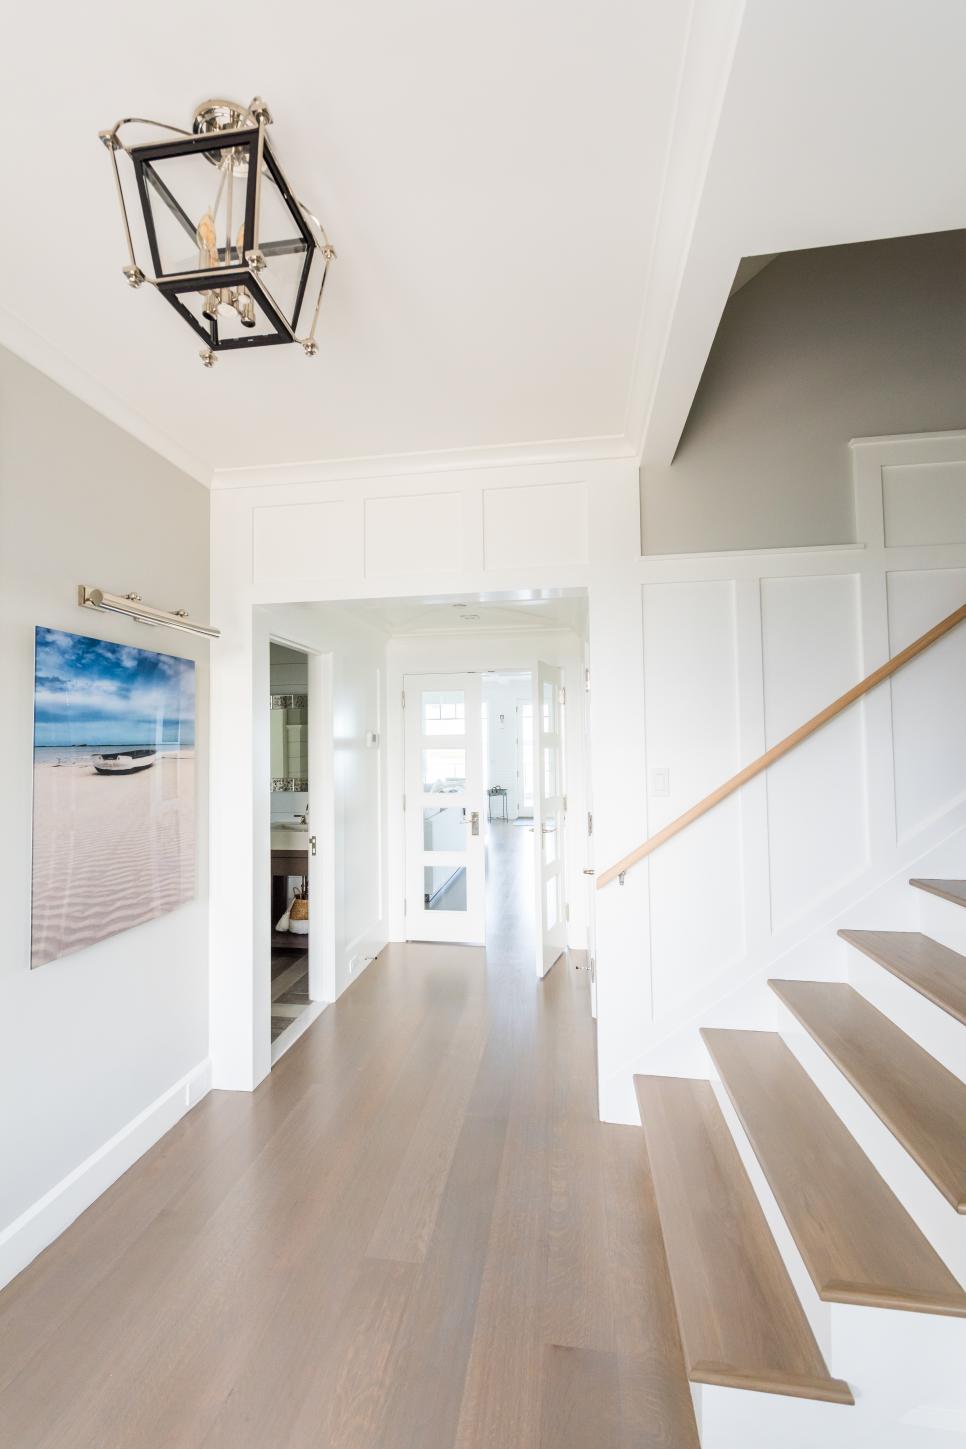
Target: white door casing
(444, 809)
(549, 808)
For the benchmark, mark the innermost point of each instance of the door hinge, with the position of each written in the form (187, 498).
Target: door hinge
(405, 906)
(404, 804)
(562, 694)
(587, 680)
(403, 696)
(590, 823)
(563, 803)
(593, 969)
(567, 911)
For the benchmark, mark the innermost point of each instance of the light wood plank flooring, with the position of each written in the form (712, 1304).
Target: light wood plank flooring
(415, 1235)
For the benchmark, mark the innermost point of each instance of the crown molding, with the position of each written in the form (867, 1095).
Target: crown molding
(606, 448)
(32, 348)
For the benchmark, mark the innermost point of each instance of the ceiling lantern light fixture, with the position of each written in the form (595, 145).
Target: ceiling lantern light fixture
(233, 248)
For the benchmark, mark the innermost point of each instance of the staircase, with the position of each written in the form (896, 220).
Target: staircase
(812, 1196)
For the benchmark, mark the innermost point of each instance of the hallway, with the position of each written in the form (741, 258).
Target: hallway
(414, 1235)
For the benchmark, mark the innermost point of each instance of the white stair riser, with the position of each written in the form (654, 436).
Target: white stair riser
(741, 1419)
(938, 1033)
(943, 920)
(925, 1204)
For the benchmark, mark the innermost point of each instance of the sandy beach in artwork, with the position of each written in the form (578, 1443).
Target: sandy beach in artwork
(109, 852)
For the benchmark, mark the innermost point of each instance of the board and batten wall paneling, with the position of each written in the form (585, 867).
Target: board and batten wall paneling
(924, 503)
(692, 723)
(416, 534)
(306, 540)
(811, 652)
(928, 696)
(541, 524)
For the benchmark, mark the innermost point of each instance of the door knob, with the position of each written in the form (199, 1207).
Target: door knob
(475, 822)
(312, 843)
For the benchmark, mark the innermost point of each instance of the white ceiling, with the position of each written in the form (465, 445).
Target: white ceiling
(489, 175)
(408, 618)
(539, 208)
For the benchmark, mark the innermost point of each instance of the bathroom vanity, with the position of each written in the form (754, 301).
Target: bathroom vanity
(290, 856)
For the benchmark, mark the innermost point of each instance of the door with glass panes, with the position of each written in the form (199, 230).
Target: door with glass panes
(549, 809)
(445, 857)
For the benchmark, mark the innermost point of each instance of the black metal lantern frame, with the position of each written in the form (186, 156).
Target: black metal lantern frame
(218, 193)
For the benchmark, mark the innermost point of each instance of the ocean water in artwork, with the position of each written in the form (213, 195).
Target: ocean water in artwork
(114, 790)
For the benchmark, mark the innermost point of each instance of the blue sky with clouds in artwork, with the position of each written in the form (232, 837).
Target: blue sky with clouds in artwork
(91, 692)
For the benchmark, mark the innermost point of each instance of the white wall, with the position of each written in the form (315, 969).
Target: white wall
(503, 531)
(822, 346)
(91, 1041)
(695, 664)
(739, 650)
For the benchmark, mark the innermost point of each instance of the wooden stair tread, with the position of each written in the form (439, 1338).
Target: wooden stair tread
(740, 1320)
(921, 1103)
(950, 890)
(856, 1239)
(932, 969)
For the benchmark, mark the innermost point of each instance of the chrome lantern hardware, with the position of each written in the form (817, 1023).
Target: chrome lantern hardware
(233, 248)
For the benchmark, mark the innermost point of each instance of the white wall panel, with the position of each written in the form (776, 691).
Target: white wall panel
(928, 696)
(816, 795)
(924, 503)
(545, 524)
(306, 541)
(421, 533)
(691, 713)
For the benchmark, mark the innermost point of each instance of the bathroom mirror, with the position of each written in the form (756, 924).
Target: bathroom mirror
(289, 729)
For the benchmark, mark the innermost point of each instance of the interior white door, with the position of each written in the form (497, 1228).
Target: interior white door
(445, 856)
(549, 809)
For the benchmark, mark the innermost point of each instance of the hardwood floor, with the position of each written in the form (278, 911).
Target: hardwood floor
(290, 988)
(414, 1235)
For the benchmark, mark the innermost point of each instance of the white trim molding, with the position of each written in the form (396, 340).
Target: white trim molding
(47, 1218)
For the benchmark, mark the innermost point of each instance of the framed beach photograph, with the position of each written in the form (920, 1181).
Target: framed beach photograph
(114, 790)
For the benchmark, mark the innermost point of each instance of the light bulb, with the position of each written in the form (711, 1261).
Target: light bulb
(207, 240)
(245, 307)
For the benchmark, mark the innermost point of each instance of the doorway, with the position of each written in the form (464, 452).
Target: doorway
(485, 808)
(299, 923)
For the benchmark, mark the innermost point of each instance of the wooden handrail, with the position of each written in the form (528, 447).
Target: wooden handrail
(776, 752)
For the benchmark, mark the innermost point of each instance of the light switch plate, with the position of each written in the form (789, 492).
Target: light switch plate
(660, 781)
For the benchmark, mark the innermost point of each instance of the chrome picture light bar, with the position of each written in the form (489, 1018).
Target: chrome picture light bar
(132, 606)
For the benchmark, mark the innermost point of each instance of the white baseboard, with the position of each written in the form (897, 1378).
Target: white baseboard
(38, 1226)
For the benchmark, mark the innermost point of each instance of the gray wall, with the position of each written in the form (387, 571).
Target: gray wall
(820, 347)
(90, 1040)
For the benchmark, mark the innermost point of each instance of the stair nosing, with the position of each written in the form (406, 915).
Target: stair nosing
(956, 1199)
(932, 885)
(798, 1386)
(856, 939)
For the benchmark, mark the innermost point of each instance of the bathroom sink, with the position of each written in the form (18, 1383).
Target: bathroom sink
(290, 836)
